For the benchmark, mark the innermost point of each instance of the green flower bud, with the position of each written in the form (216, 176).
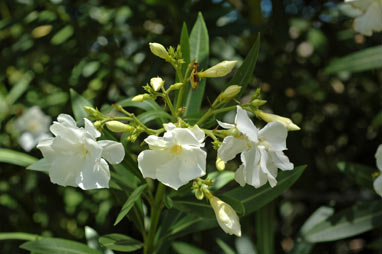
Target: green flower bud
(116, 126)
(229, 93)
(219, 70)
(140, 97)
(220, 164)
(159, 50)
(199, 194)
(275, 118)
(258, 102)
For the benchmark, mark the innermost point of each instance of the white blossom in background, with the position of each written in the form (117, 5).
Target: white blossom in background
(176, 158)
(226, 216)
(378, 181)
(261, 150)
(33, 125)
(369, 19)
(76, 158)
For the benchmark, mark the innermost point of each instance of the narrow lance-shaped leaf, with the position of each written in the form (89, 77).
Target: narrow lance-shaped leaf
(253, 199)
(58, 246)
(358, 173)
(199, 51)
(120, 242)
(349, 222)
(363, 60)
(16, 158)
(136, 194)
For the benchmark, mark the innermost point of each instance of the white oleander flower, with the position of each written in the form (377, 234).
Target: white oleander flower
(226, 216)
(370, 18)
(176, 158)
(261, 151)
(34, 126)
(76, 158)
(378, 181)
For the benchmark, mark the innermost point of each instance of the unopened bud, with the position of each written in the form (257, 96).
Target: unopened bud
(116, 126)
(156, 83)
(229, 93)
(226, 216)
(98, 125)
(275, 118)
(219, 70)
(140, 97)
(220, 164)
(175, 86)
(199, 194)
(94, 113)
(159, 50)
(258, 102)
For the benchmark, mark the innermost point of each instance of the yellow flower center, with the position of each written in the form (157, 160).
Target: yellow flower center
(176, 149)
(84, 150)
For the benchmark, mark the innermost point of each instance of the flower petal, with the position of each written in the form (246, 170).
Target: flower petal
(371, 20)
(112, 151)
(27, 141)
(198, 133)
(378, 157)
(240, 176)
(232, 146)
(168, 173)
(360, 4)
(253, 174)
(46, 149)
(184, 136)
(156, 142)
(245, 125)
(267, 168)
(150, 160)
(63, 174)
(92, 150)
(193, 164)
(66, 120)
(94, 176)
(89, 127)
(378, 185)
(275, 134)
(226, 125)
(281, 160)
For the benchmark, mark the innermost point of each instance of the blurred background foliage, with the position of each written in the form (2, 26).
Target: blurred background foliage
(100, 49)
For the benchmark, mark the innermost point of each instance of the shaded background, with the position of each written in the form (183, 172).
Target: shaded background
(100, 49)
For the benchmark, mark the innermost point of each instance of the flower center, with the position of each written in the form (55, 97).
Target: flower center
(176, 149)
(84, 150)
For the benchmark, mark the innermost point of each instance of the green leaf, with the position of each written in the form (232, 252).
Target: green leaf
(152, 115)
(349, 222)
(199, 51)
(18, 236)
(136, 194)
(193, 206)
(58, 246)
(321, 214)
(225, 247)
(185, 248)
(265, 223)
(366, 59)
(244, 74)
(185, 46)
(62, 35)
(78, 104)
(16, 158)
(120, 242)
(253, 199)
(41, 165)
(360, 174)
(19, 88)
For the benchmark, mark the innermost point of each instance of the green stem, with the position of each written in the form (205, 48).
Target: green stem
(169, 103)
(211, 112)
(156, 209)
(265, 226)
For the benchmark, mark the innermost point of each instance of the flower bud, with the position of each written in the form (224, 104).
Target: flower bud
(275, 118)
(226, 216)
(116, 126)
(159, 50)
(175, 86)
(229, 93)
(156, 83)
(220, 164)
(219, 70)
(199, 194)
(258, 102)
(140, 97)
